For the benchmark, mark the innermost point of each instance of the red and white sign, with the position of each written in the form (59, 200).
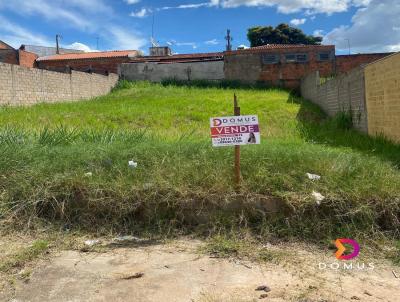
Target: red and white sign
(235, 130)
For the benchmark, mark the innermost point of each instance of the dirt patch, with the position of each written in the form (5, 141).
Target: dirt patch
(177, 272)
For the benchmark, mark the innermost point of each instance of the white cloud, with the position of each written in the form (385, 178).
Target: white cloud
(294, 6)
(297, 22)
(186, 6)
(93, 6)
(123, 39)
(309, 7)
(212, 42)
(393, 48)
(175, 43)
(16, 35)
(372, 29)
(80, 46)
(318, 33)
(89, 16)
(191, 44)
(144, 12)
(130, 2)
(72, 13)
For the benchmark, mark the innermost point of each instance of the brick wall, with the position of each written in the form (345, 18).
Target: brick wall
(382, 84)
(342, 93)
(17, 57)
(26, 58)
(26, 86)
(248, 65)
(9, 56)
(100, 66)
(345, 63)
(4, 45)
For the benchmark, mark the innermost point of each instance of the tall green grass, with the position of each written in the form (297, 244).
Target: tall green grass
(181, 183)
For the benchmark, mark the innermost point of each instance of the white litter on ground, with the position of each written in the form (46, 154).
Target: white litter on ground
(89, 174)
(132, 164)
(313, 176)
(318, 197)
(92, 242)
(127, 238)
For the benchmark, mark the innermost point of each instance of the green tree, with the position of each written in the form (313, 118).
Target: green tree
(282, 34)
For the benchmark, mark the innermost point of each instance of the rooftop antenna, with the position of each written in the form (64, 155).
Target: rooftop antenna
(58, 37)
(152, 40)
(228, 39)
(152, 27)
(97, 42)
(348, 44)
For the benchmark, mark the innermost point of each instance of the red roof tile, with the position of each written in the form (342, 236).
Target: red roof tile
(192, 57)
(277, 46)
(90, 55)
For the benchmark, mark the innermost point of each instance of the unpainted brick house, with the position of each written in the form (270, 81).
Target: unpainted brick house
(104, 62)
(276, 64)
(285, 65)
(10, 55)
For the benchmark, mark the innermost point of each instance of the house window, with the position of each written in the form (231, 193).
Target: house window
(269, 58)
(301, 57)
(296, 57)
(324, 56)
(289, 58)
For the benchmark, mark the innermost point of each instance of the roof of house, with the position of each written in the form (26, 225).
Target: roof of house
(4, 45)
(277, 46)
(43, 51)
(91, 55)
(181, 58)
(269, 46)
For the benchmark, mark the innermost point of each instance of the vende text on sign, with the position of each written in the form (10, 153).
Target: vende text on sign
(234, 130)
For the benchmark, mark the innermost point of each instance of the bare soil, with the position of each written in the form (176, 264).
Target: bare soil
(177, 271)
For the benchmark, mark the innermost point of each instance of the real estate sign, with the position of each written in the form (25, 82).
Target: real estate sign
(234, 130)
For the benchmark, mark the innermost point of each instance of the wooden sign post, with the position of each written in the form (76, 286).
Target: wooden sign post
(235, 131)
(236, 112)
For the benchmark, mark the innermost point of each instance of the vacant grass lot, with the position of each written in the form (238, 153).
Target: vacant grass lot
(181, 182)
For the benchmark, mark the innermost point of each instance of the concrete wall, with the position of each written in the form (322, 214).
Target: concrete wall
(155, 72)
(342, 93)
(382, 84)
(26, 86)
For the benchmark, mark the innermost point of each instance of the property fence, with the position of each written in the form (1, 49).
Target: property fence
(345, 92)
(27, 86)
(382, 83)
(371, 92)
(156, 72)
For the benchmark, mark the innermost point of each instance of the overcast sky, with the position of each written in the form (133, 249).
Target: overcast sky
(197, 25)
